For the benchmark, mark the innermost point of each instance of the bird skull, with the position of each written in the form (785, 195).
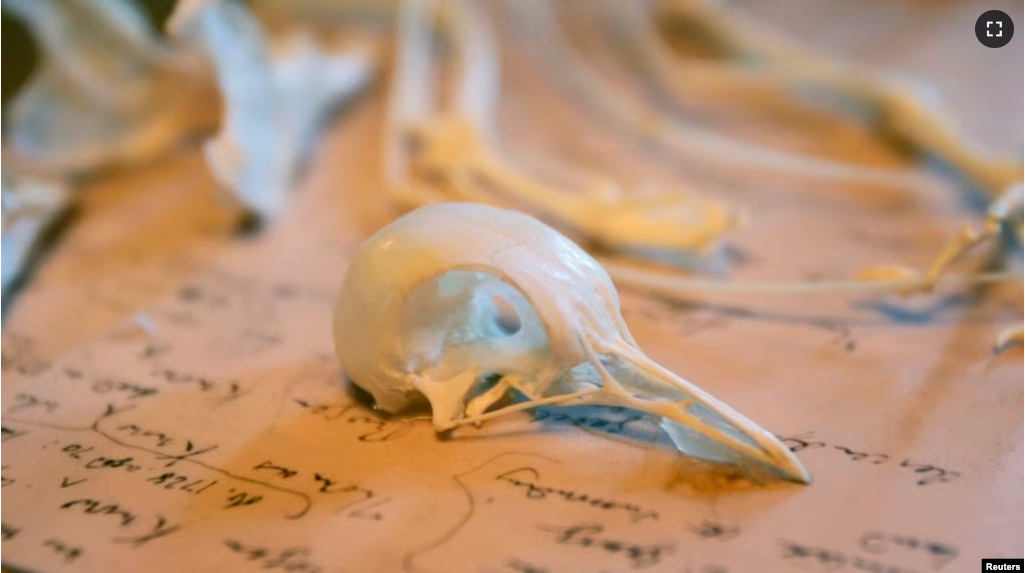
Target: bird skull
(470, 306)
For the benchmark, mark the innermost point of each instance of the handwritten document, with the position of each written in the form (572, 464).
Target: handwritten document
(171, 402)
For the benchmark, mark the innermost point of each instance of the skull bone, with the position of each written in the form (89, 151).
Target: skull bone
(465, 305)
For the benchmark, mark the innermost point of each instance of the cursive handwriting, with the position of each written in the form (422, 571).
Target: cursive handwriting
(82, 452)
(97, 507)
(160, 529)
(714, 530)
(928, 474)
(324, 484)
(183, 448)
(830, 560)
(283, 472)
(69, 552)
(220, 392)
(585, 535)
(526, 478)
(131, 390)
(879, 543)
(379, 430)
(27, 401)
(291, 559)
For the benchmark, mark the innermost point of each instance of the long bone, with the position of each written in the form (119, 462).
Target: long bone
(1005, 210)
(278, 92)
(447, 150)
(453, 296)
(413, 100)
(910, 112)
(31, 207)
(566, 67)
(902, 108)
(108, 91)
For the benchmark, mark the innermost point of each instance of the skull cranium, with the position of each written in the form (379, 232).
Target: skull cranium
(467, 305)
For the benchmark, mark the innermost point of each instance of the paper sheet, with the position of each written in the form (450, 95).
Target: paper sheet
(171, 402)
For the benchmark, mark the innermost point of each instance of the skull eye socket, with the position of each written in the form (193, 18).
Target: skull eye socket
(467, 318)
(505, 318)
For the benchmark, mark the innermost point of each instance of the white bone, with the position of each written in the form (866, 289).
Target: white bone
(31, 206)
(438, 151)
(278, 93)
(454, 296)
(441, 150)
(107, 90)
(906, 109)
(1005, 210)
(566, 67)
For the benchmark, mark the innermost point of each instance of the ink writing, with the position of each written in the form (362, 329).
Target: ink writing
(587, 535)
(526, 478)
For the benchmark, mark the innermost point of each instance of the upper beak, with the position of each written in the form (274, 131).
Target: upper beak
(698, 423)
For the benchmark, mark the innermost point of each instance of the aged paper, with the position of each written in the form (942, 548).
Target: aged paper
(171, 400)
